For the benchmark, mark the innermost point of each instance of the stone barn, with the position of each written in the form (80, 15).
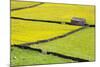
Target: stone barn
(78, 21)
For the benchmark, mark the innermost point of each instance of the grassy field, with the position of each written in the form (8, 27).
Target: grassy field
(29, 57)
(21, 4)
(58, 12)
(79, 44)
(31, 31)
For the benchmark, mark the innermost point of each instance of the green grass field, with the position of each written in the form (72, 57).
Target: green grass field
(31, 31)
(21, 4)
(57, 12)
(29, 57)
(79, 44)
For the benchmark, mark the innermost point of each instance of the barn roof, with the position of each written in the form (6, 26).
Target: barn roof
(78, 19)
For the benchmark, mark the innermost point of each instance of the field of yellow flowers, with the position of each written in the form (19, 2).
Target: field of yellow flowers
(37, 37)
